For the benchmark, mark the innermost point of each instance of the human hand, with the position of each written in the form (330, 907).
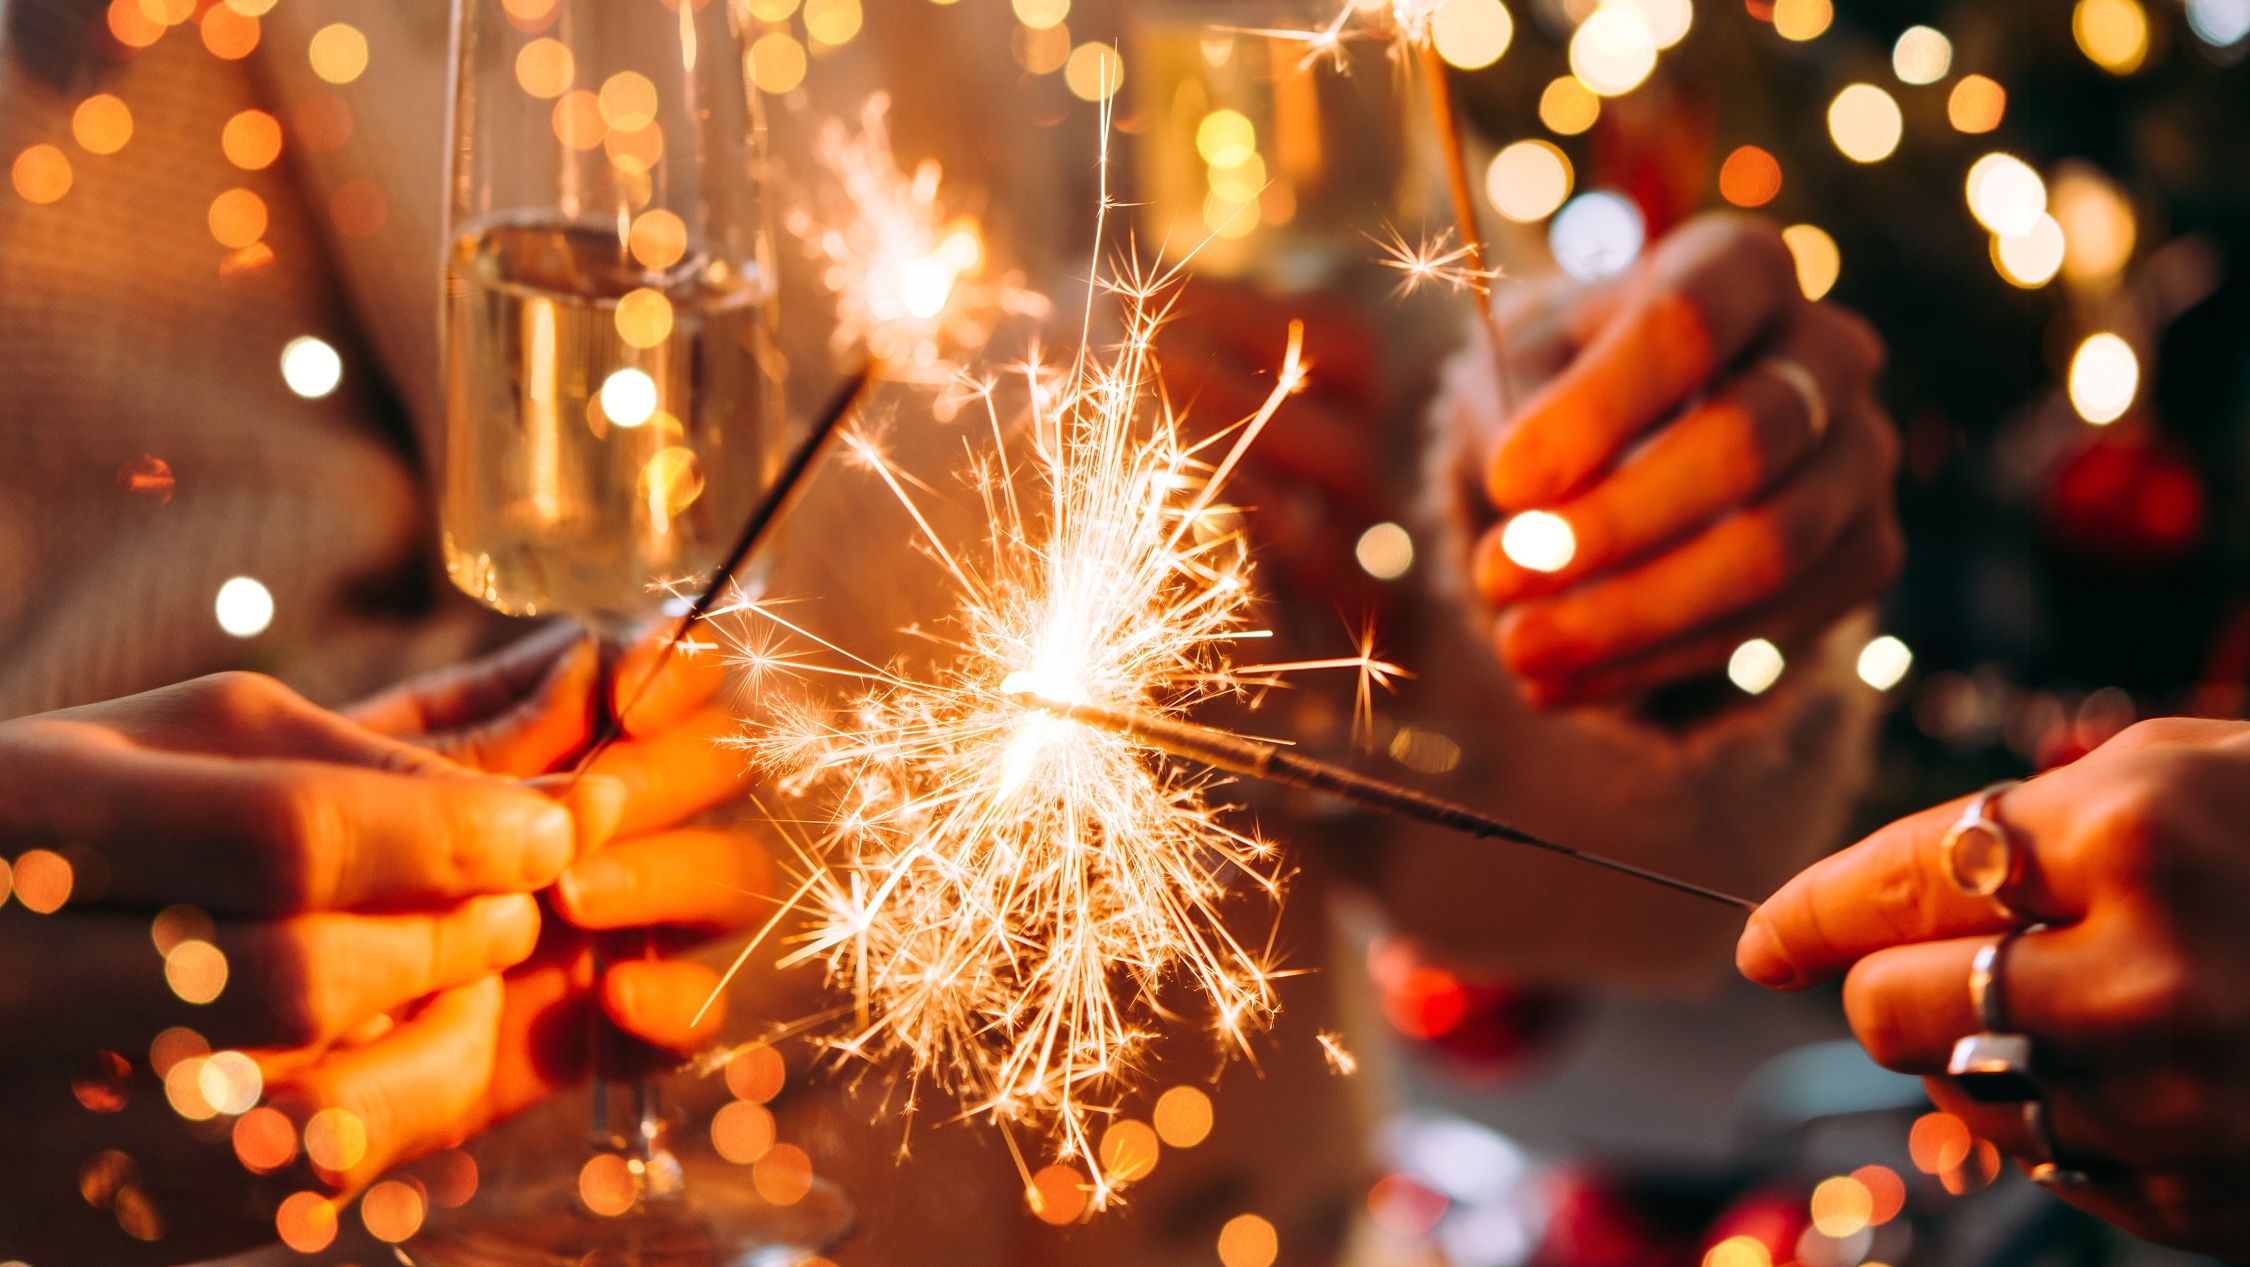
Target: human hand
(365, 892)
(2131, 995)
(1707, 502)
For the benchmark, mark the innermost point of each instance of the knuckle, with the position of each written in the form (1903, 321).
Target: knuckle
(2150, 992)
(2154, 732)
(287, 966)
(1874, 1021)
(239, 698)
(299, 835)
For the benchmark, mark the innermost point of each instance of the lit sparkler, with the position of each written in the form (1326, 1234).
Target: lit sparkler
(910, 272)
(1006, 893)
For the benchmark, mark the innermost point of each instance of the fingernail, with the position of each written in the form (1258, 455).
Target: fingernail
(589, 884)
(511, 926)
(623, 990)
(1758, 957)
(549, 838)
(597, 805)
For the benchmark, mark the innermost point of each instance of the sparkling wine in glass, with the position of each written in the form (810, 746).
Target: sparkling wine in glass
(612, 415)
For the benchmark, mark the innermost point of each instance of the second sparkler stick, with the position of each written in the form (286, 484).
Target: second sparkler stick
(1273, 763)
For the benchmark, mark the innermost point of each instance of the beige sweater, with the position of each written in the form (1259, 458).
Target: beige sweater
(125, 331)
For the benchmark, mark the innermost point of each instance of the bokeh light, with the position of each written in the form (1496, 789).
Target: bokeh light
(1056, 1194)
(643, 318)
(1568, 107)
(756, 1073)
(102, 124)
(2219, 23)
(196, 970)
(741, 1131)
(1755, 666)
(1750, 177)
(658, 239)
(43, 880)
(628, 397)
(1041, 15)
(1668, 20)
(606, 1186)
(229, 34)
(1596, 235)
(545, 67)
(1385, 552)
(1802, 20)
(1182, 1117)
(2105, 376)
(1884, 661)
(306, 1222)
(832, 22)
(1613, 50)
(1841, 1207)
(2030, 260)
(265, 1140)
(243, 606)
(1471, 34)
(338, 52)
(1738, 1251)
(2098, 226)
(1865, 122)
(1528, 180)
(230, 1082)
(1885, 1190)
(1094, 71)
(777, 63)
(335, 1139)
(1128, 1151)
(1938, 1142)
(784, 1175)
(251, 140)
(1819, 262)
(310, 367)
(237, 218)
(392, 1211)
(1248, 1240)
(1539, 540)
(2113, 34)
(41, 174)
(1976, 105)
(1922, 55)
(627, 101)
(2005, 194)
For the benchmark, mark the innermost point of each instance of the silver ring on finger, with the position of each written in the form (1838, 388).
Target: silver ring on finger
(2049, 1169)
(1993, 1065)
(1800, 381)
(1982, 857)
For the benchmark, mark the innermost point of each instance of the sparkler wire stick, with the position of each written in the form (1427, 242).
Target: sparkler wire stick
(1275, 764)
(1457, 182)
(762, 516)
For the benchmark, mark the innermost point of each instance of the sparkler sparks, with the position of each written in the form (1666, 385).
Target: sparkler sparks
(1435, 260)
(910, 273)
(1007, 893)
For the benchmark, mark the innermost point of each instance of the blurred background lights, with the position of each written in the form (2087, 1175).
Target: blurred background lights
(1739, 1251)
(1841, 1206)
(628, 397)
(1568, 107)
(2032, 259)
(1385, 552)
(2097, 224)
(244, 607)
(195, 969)
(2104, 378)
(2219, 23)
(1248, 1240)
(545, 67)
(43, 880)
(392, 1210)
(1884, 661)
(2113, 34)
(1750, 177)
(1596, 235)
(1041, 14)
(833, 22)
(1613, 50)
(310, 367)
(1865, 123)
(1472, 34)
(1922, 55)
(1182, 1117)
(1819, 263)
(230, 1083)
(1976, 105)
(1539, 540)
(1802, 20)
(102, 124)
(1668, 20)
(1755, 666)
(2005, 195)
(1528, 181)
(1094, 72)
(41, 174)
(338, 52)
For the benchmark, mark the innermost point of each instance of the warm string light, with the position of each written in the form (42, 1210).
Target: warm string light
(1002, 892)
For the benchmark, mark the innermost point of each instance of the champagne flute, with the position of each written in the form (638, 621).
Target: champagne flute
(612, 414)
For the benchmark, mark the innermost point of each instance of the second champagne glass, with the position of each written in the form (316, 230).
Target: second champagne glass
(612, 414)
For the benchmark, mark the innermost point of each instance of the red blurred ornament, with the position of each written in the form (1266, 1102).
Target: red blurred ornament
(1592, 1221)
(1494, 1024)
